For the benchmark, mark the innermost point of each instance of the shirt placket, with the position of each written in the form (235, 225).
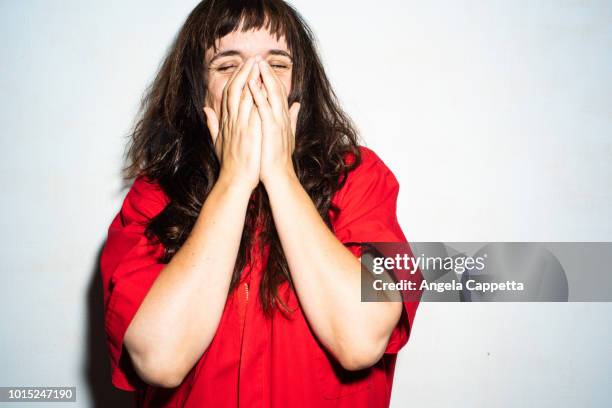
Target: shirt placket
(254, 342)
(243, 301)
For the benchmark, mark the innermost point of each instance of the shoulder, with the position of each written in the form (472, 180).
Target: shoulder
(365, 206)
(368, 176)
(145, 199)
(370, 164)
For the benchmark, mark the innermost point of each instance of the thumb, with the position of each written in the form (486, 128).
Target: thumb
(294, 110)
(212, 122)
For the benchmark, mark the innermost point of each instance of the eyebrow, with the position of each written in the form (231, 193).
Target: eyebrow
(229, 53)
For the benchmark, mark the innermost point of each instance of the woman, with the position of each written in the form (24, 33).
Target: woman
(231, 273)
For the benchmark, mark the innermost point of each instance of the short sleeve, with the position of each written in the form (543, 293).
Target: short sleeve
(368, 204)
(129, 266)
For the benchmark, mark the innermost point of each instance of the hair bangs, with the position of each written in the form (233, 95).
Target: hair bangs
(246, 16)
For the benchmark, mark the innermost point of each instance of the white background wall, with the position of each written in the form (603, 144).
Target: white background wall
(496, 117)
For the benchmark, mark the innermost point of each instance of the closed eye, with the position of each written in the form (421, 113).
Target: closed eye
(225, 68)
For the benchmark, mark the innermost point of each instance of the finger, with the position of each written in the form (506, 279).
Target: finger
(293, 116)
(212, 122)
(213, 126)
(246, 101)
(263, 106)
(237, 84)
(224, 103)
(274, 88)
(255, 122)
(245, 107)
(259, 83)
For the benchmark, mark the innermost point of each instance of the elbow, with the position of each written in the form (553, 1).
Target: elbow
(158, 372)
(163, 378)
(361, 356)
(359, 351)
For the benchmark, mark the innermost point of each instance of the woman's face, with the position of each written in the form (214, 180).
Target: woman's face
(237, 47)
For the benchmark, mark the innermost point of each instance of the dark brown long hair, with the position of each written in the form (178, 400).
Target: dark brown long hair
(171, 144)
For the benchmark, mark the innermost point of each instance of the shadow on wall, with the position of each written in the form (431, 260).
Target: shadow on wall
(96, 369)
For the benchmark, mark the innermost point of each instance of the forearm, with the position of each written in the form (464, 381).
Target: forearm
(180, 314)
(327, 278)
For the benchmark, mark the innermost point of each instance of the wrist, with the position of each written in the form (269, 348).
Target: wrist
(280, 179)
(233, 186)
(279, 175)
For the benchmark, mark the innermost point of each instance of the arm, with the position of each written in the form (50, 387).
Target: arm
(327, 276)
(180, 314)
(170, 332)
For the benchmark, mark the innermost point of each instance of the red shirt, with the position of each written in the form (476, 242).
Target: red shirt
(253, 361)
